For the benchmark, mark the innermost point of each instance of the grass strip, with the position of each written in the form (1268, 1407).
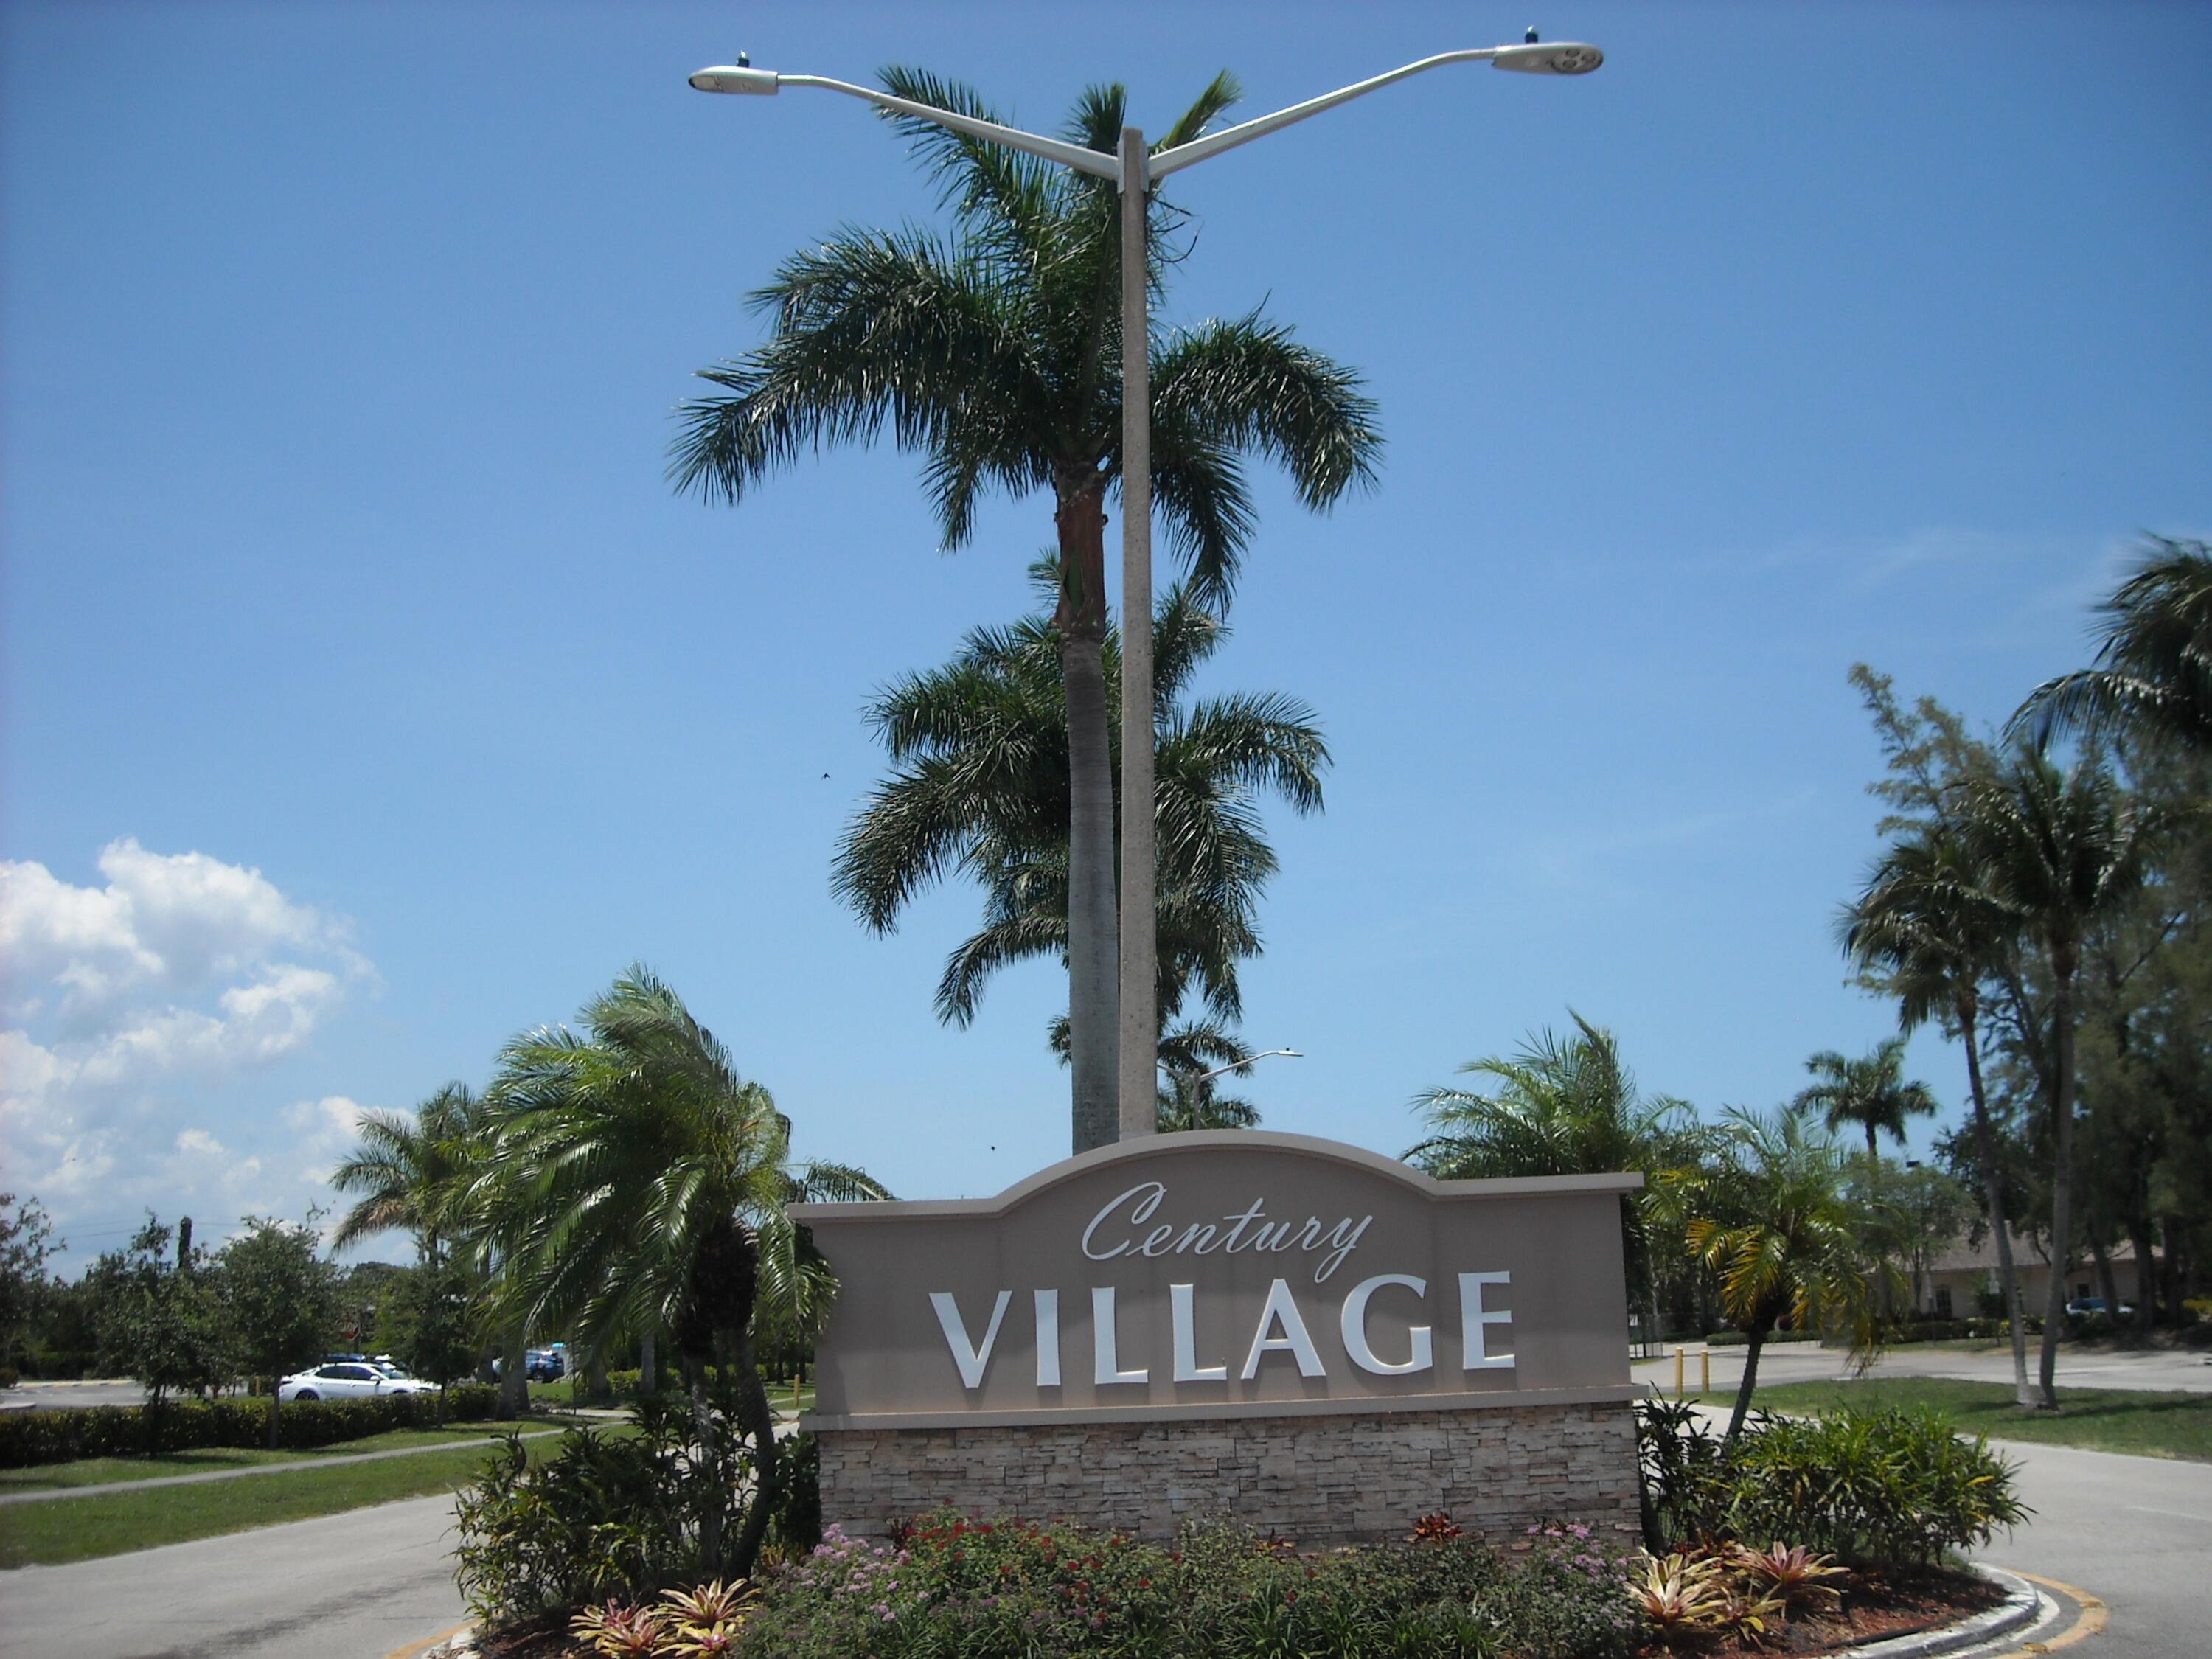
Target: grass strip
(106, 1471)
(2133, 1420)
(84, 1529)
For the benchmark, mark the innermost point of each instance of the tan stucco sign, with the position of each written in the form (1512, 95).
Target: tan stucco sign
(1222, 1274)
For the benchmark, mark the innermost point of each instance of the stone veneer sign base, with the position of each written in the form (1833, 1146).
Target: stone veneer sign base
(1303, 1336)
(1320, 1480)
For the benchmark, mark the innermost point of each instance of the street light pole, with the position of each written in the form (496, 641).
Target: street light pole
(1138, 1057)
(1135, 170)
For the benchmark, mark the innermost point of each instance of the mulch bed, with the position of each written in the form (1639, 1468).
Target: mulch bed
(1873, 1608)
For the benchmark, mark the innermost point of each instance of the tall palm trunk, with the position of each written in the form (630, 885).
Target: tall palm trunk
(648, 1362)
(2062, 963)
(514, 1371)
(1093, 942)
(1985, 1150)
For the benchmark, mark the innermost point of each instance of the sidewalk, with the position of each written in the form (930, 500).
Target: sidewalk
(2155, 1369)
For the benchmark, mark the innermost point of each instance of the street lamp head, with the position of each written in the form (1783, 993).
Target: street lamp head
(1564, 57)
(739, 76)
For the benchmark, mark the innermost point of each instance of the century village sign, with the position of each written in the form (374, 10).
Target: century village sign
(1301, 1334)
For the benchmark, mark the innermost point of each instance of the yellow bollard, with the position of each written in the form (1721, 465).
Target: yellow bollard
(1704, 1370)
(1678, 1352)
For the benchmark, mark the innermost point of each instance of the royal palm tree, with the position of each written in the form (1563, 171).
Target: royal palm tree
(980, 787)
(1771, 1219)
(1926, 930)
(1563, 1105)
(2154, 659)
(997, 356)
(645, 1188)
(1871, 1093)
(2058, 850)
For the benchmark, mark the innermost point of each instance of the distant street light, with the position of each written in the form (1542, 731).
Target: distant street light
(1134, 170)
(1239, 1065)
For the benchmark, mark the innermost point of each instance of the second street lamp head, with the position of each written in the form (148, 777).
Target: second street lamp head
(738, 77)
(1563, 57)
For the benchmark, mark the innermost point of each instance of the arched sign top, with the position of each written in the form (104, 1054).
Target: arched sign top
(1243, 1141)
(1222, 1273)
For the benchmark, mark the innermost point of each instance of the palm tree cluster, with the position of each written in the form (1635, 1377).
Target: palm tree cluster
(1754, 1219)
(620, 1180)
(2053, 917)
(995, 354)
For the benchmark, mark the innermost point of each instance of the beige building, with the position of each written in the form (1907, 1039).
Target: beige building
(1957, 1276)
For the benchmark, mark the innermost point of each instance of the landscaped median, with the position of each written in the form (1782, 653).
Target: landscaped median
(2132, 1421)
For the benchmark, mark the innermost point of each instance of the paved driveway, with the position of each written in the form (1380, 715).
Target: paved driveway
(353, 1586)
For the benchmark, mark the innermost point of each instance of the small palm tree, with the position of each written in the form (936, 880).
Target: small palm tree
(1871, 1092)
(2153, 661)
(1926, 930)
(997, 355)
(412, 1173)
(2059, 851)
(1563, 1105)
(1771, 1218)
(646, 1186)
(980, 787)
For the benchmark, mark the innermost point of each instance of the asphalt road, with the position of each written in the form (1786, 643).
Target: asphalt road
(2135, 1531)
(356, 1586)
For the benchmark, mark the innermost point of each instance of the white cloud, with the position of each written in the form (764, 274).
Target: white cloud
(156, 996)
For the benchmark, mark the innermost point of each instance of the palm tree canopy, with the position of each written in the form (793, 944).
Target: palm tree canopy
(412, 1173)
(980, 788)
(2154, 658)
(1563, 1105)
(2058, 847)
(1772, 1219)
(1925, 927)
(997, 355)
(641, 1170)
(1871, 1093)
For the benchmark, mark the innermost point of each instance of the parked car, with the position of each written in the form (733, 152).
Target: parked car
(348, 1380)
(2082, 1306)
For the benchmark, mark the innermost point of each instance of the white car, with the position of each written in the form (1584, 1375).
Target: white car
(349, 1380)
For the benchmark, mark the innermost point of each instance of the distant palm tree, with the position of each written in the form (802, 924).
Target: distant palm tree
(1189, 1098)
(1926, 930)
(412, 1173)
(980, 787)
(1772, 1220)
(1871, 1093)
(2154, 660)
(1564, 1105)
(2058, 851)
(646, 1186)
(998, 357)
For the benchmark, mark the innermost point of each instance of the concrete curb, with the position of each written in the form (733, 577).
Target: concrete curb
(2022, 1606)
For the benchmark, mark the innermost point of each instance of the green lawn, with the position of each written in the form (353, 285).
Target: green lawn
(2100, 1420)
(106, 1471)
(82, 1529)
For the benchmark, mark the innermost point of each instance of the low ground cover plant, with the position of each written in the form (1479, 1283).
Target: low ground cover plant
(29, 1438)
(1000, 1590)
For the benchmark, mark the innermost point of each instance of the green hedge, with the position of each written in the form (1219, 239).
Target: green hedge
(28, 1437)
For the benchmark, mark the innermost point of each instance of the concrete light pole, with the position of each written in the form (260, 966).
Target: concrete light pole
(1135, 170)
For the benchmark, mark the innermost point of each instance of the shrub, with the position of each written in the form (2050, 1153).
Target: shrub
(993, 1590)
(1875, 1488)
(601, 1518)
(59, 1436)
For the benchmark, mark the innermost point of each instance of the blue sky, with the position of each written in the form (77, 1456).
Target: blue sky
(369, 698)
